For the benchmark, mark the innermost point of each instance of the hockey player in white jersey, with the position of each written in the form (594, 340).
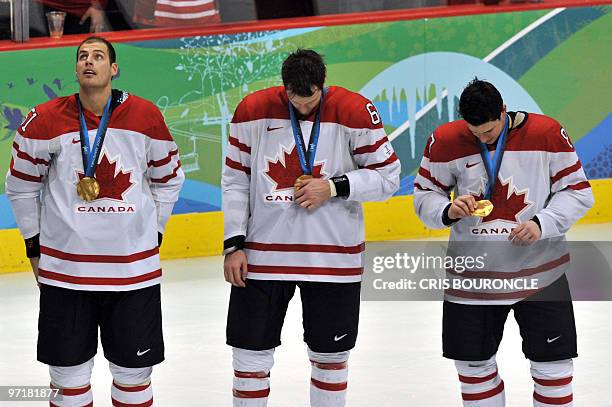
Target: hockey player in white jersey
(518, 187)
(92, 182)
(302, 158)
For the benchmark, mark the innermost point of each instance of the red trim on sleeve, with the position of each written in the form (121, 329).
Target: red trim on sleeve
(426, 174)
(580, 185)
(241, 146)
(167, 178)
(163, 161)
(25, 156)
(370, 148)
(237, 166)
(22, 175)
(388, 161)
(565, 172)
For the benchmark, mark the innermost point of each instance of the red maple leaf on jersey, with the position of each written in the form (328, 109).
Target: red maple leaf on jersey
(111, 186)
(284, 175)
(505, 207)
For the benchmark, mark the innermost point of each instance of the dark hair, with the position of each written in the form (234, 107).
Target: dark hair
(94, 38)
(302, 69)
(480, 103)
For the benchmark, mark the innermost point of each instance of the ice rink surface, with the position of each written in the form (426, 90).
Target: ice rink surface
(397, 360)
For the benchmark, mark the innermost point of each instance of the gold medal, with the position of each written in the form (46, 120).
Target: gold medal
(483, 208)
(88, 189)
(300, 178)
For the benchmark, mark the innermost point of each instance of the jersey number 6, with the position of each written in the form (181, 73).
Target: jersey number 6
(373, 113)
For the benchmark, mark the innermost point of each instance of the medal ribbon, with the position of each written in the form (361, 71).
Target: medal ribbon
(307, 157)
(91, 155)
(492, 166)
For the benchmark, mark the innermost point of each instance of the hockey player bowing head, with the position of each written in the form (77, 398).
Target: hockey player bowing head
(110, 172)
(302, 158)
(519, 186)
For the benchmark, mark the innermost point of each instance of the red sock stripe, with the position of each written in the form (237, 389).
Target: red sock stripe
(251, 375)
(553, 382)
(476, 380)
(330, 366)
(145, 404)
(131, 389)
(484, 394)
(86, 405)
(553, 401)
(251, 394)
(72, 392)
(329, 386)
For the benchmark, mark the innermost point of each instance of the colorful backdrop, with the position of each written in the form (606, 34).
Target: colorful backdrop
(552, 61)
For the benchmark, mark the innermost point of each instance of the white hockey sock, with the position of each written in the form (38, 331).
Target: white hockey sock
(552, 383)
(251, 389)
(81, 397)
(481, 385)
(328, 382)
(132, 396)
(251, 377)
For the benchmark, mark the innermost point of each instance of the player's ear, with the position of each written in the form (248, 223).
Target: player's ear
(114, 70)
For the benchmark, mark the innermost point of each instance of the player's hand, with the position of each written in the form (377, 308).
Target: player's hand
(34, 262)
(312, 193)
(525, 233)
(97, 17)
(235, 268)
(462, 207)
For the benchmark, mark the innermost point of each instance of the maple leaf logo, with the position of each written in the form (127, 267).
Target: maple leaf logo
(284, 172)
(506, 206)
(113, 184)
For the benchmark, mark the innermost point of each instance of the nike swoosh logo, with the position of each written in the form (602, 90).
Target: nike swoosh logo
(468, 165)
(139, 353)
(548, 340)
(273, 128)
(337, 338)
(76, 141)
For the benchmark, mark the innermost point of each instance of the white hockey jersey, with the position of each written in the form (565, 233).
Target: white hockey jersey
(283, 240)
(540, 175)
(110, 243)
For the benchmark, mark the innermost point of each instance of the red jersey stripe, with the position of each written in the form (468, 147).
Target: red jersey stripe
(167, 178)
(370, 148)
(163, 161)
(99, 258)
(22, 175)
(25, 156)
(237, 166)
(318, 271)
(509, 275)
(305, 248)
(514, 295)
(51, 275)
(426, 174)
(241, 146)
(388, 161)
(565, 172)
